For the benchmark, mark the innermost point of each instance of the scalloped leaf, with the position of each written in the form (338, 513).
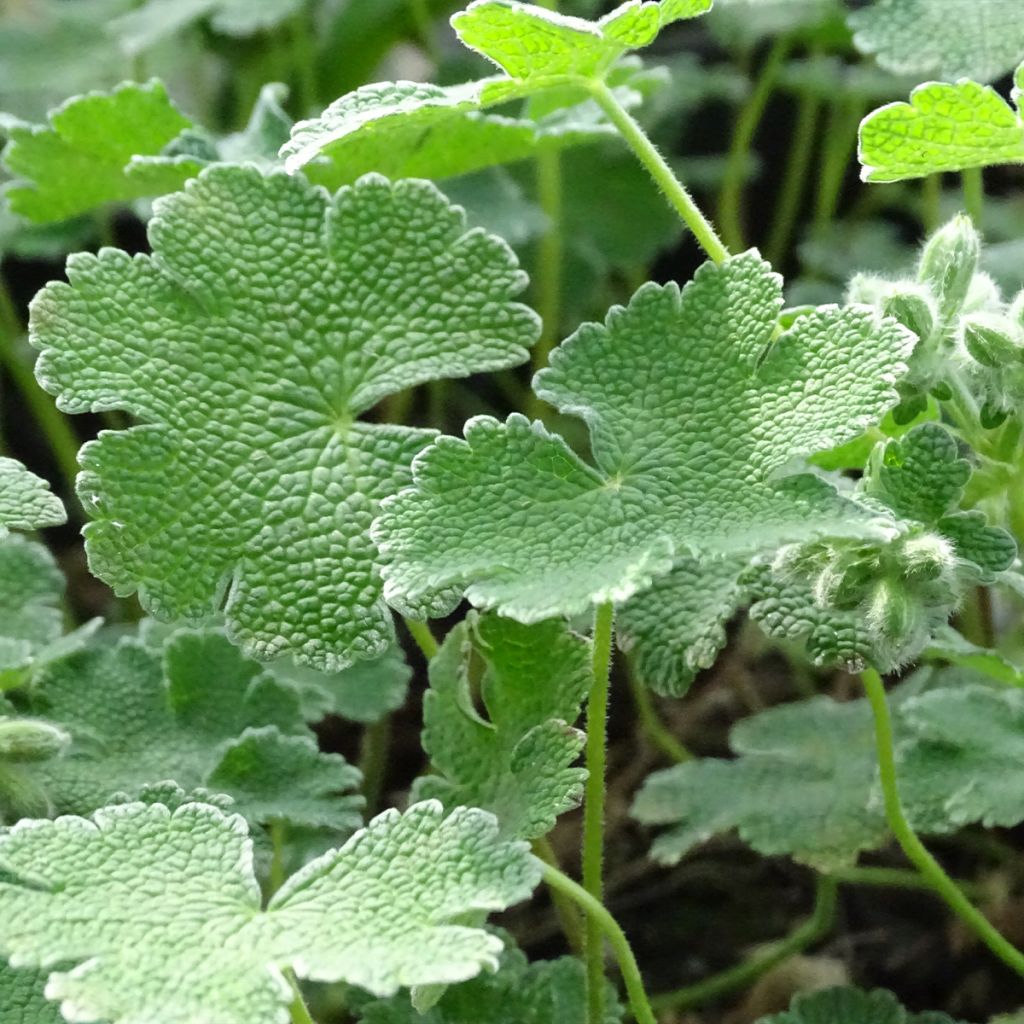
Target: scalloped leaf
(268, 318)
(515, 519)
(26, 502)
(22, 1000)
(518, 762)
(140, 897)
(851, 1006)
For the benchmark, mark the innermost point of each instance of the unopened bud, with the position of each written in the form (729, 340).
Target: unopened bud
(914, 309)
(949, 262)
(28, 740)
(992, 340)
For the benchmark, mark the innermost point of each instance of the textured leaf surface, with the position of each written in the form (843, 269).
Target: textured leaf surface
(521, 523)
(677, 627)
(267, 320)
(942, 128)
(518, 762)
(801, 785)
(22, 1000)
(77, 162)
(197, 712)
(979, 39)
(851, 1006)
(140, 897)
(26, 502)
(519, 993)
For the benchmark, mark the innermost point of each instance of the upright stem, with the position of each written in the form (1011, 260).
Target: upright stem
(373, 760)
(797, 166)
(303, 54)
(278, 835)
(730, 196)
(593, 809)
(974, 193)
(421, 18)
(806, 934)
(567, 911)
(931, 202)
(606, 925)
(915, 850)
(652, 725)
(658, 168)
(299, 1011)
(840, 142)
(420, 632)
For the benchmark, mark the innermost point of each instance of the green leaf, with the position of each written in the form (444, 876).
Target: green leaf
(26, 502)
(742, 23)
(677, 627)
(544, 992)
(141, 898)
(77, 162)
(197, 712)
(268, 319)
(851, 1006)
(518, 762)
(981, 39)
(942, 128)
(517, 520)
(158, 20)
(800, 785)
(22, 1000)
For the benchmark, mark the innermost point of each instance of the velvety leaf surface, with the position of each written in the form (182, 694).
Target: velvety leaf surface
(26, 502)
(518, 521)
(77, 162)
(140, 897)
(851, 1006)
(22, 1000)
(517, 762)
(268, 318)
(979, 39)
(942, 128)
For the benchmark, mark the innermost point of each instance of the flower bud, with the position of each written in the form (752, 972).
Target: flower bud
(994, 341)
(949, 262)
(29, 740)
(912, 308)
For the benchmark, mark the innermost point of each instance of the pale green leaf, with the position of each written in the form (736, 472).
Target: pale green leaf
(141, 898)
(518, 762)
(981, 39)
(22, 1000)
(268, 319)
(742, 23)
(198, 712)
(851, 1006)
(517, 520)
(942, 128)
(77, 162)
(26, 502)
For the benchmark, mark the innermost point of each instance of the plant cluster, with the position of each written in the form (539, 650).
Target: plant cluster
(316, 437)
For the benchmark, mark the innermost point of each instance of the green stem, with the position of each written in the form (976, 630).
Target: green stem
(810, 931)
(651, 724)
(424, 23)
(840, 142)
(658, 168)
(788, 206)
(299, 1011)
(420, 632)
(278, 834)
(915, 850)
(303, 60)
(373, 760)
(731, 194)
(565, 908)
(607, 926)
(59, 435)
(888, 878)
(550, 263)
(931, 202)
(593, 808)
(974, 194)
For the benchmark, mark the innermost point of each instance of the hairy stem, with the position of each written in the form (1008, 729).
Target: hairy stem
(299, 1011)
(794, 180)
(606, 925)
(974, 193)
(651, 725)
(731, 194)
(567, 911)
(840, 143)
(420, 632)
(888, 878)
(647, 153)
(931, 202)
(373, 761)
(593, 808)
(734, 978)
(915, 850)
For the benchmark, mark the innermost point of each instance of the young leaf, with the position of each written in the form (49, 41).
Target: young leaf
(161, 913)
(32, 630)
(197, 712)
(942, 128)
(545, 992)
(268, 319)
(801, 785)
(513, 517)
(981, 39)
(26, 502)
(22, 1000)
(77, 162)
(851, 1006)
(517, 764)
